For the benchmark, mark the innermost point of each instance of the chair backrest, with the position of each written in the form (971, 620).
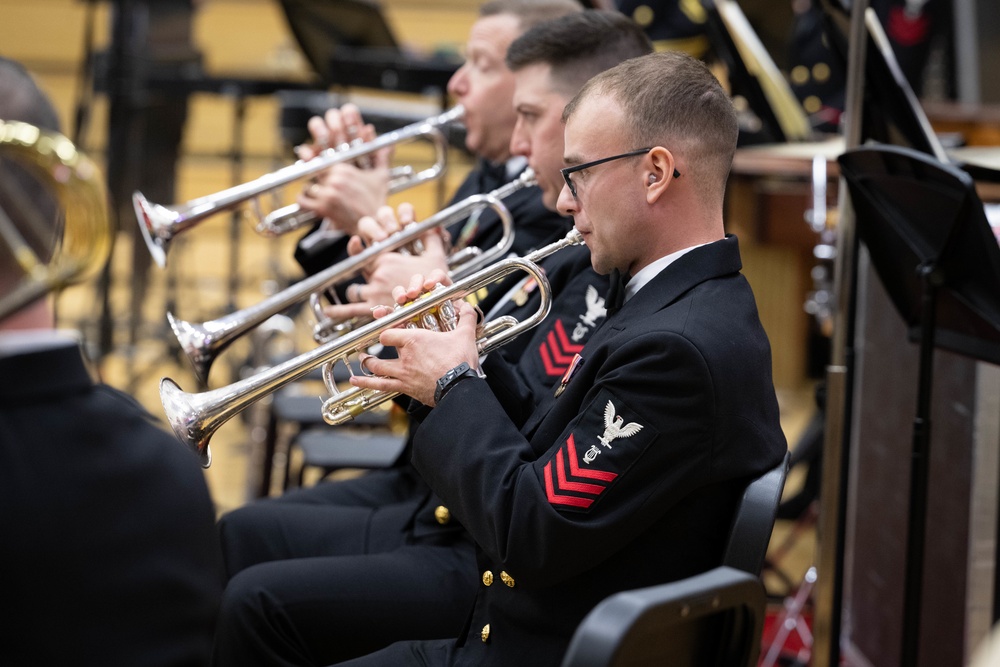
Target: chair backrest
(714, 618)
(750, 531)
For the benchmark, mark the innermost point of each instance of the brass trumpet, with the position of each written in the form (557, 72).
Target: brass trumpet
(194, 417)
(203, 342)
(86, 233)
(160, 224)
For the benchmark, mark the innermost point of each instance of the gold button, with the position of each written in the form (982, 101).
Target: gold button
(800, 75)
(507, 579)
(812, 104)
(442, 514)
(643, 15)
(485, 634)
(488, 578)
(821, 72)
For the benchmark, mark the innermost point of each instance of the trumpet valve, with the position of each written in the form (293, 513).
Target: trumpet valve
(344, 408)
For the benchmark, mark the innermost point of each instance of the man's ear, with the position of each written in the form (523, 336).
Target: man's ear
(659, 176)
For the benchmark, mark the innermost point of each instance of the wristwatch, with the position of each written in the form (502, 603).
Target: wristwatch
(453, 377)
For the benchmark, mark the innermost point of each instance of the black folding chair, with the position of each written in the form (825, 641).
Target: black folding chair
(715, 618)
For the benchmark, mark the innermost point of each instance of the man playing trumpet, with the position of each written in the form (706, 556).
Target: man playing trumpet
(627, 475)
(435, 565)
(351, 198)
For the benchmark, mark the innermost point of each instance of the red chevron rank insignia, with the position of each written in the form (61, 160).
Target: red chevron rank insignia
(557, 351)
(587, 491)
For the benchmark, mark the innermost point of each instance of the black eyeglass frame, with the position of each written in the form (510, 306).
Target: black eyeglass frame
(566, 171)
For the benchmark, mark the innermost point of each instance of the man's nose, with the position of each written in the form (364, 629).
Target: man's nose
(567, 204)
(519, 142)
(458, 83)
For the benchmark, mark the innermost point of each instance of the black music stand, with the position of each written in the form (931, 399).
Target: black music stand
(322, 26)
(932, 247)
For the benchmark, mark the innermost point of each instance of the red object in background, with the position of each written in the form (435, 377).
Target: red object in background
(794, 650)
(907, 30)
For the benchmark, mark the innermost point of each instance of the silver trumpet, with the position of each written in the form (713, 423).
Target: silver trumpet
(194, 417)
(159, 224)
(203, 342)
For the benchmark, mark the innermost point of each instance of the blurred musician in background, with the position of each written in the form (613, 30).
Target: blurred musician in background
(383, 538)
(109, 555)
(628, 474)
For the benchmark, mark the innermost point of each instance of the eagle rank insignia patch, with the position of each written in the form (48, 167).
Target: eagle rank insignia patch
(599, 448)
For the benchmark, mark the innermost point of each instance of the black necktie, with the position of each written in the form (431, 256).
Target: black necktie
(616, 292)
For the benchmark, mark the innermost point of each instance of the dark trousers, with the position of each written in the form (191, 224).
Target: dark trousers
(314, 582)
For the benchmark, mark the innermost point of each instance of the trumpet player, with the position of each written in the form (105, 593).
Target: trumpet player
(351, 197)
(383, 538)
(628, 473)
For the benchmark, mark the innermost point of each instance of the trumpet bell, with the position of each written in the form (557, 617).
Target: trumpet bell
(198, 345)
(184, 420)
(155, 223)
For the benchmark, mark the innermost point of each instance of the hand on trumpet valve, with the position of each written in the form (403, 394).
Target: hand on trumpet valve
(345, 192)
(378, 227)
(423, 355)
(392, 268)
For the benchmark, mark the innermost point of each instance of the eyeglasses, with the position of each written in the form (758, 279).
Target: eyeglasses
(569, 171)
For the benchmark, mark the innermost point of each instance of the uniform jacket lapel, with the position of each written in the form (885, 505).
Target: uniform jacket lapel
(705, 263)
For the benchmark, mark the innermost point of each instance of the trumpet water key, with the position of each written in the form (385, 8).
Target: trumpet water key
(194, 417)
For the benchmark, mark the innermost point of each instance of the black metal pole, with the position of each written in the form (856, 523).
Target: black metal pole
(919, 471)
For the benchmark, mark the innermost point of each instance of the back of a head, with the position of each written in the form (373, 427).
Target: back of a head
(578, 46)
(530, 12)
(673, 100)
(22, 197)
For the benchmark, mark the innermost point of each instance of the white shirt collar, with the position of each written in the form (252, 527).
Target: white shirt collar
(24, 341)
(653, 269)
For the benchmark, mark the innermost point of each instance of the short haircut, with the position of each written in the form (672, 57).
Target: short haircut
(578, 46)
(670, 99)
(22, 100)
(530, 12)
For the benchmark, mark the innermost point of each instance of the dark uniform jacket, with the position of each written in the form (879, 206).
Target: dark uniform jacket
(629, 478)
(109, 554)
(534, 362)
